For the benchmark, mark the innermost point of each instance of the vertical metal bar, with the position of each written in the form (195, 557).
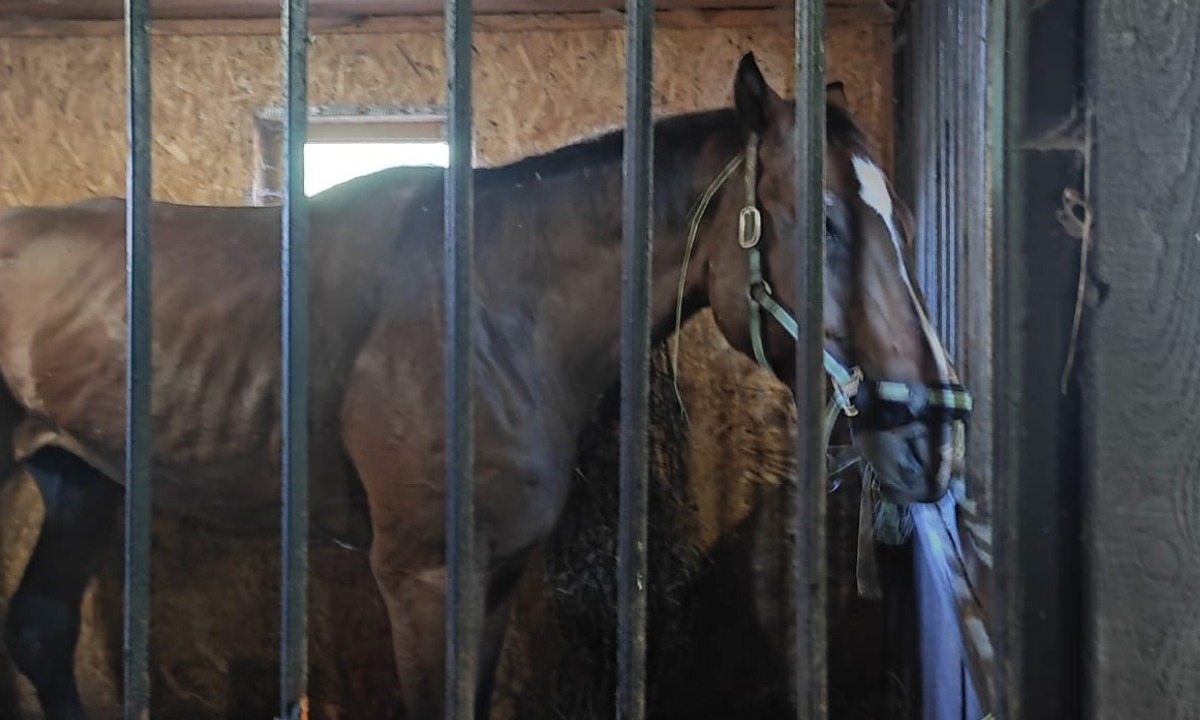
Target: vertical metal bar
(951, 242)
(807, 510)
(962, 115)
(932, 281)
(462, 595)
(926, 246)
(1006, 77)
(293, 666)
(138, 376)
(637, 243)
(920, 99)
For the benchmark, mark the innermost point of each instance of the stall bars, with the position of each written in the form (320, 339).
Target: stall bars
(806, 512)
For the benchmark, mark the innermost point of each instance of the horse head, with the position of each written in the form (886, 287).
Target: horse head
(887, 367)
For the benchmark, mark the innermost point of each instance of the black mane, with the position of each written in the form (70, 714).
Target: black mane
(678, 144)
(676, 137)
(841, 130)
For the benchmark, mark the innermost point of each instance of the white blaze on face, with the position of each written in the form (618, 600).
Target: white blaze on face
(873, 190)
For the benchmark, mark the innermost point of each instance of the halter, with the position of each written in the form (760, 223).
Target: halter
(881, 404)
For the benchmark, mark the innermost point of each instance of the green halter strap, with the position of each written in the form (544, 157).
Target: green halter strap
(846, 380)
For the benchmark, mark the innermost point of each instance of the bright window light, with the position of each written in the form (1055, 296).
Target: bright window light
(327, 164)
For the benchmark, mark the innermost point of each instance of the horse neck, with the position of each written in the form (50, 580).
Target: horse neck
(577, 275)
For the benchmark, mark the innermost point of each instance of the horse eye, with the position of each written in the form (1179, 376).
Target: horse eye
(836, 220)
(833, 232)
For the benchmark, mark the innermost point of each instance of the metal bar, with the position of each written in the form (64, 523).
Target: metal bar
(919, 30)
(977, 342)
(138, 370)
(463, 610)
(943, 272)
(293, 650)
(927, 149)
(806, 525)
(962, 76)
(1006, 68)
(637, 244)
(952, 241)
(936, 245)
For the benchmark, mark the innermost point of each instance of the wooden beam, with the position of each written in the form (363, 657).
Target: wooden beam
(499, 23)
(1038, 601)
(1140, 363)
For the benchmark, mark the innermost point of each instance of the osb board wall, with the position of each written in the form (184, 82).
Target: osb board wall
(63, 132)
(215, 604)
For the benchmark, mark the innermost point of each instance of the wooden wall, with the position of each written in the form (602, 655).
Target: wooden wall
(214, 618)
(1142, 651)
(62, 124)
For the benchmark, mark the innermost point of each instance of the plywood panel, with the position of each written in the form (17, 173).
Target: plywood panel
(62, 126)
(111, 9)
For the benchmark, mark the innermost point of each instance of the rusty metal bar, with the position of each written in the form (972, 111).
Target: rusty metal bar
(806, 512)
(637, 242)
(293, 650)
(138, 376)
(463, 610)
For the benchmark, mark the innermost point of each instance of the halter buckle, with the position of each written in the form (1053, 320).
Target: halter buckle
(755, 285)
(749, 227)
(849, 390)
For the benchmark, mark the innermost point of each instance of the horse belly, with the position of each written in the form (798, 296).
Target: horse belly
(207, 489)
(214, 410)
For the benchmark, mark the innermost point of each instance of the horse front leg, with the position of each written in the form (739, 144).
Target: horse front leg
(415, 597)
(414, 593)
(43, 622)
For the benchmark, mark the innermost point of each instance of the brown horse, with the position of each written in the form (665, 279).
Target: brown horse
(548, 278)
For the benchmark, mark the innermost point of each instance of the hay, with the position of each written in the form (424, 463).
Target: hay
(580, 565)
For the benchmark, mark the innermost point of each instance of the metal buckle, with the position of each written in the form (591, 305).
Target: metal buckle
(760, 283)
(749, 232)
(848, 391)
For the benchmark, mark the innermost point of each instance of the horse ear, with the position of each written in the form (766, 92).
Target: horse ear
(755, 101)
(835, 93)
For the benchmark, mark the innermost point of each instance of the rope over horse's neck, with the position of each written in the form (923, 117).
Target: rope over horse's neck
(695, 215)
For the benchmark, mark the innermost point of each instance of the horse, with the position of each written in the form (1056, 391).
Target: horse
(547, 275)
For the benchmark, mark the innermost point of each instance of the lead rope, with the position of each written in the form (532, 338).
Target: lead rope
(695, 216)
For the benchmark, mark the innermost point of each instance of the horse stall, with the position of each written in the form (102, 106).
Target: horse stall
(544, 74)
(1048, 152)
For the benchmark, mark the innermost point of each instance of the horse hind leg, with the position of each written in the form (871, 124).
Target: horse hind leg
(43, 623)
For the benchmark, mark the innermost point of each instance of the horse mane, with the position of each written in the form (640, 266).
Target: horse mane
(679, 142)
(843, 132)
